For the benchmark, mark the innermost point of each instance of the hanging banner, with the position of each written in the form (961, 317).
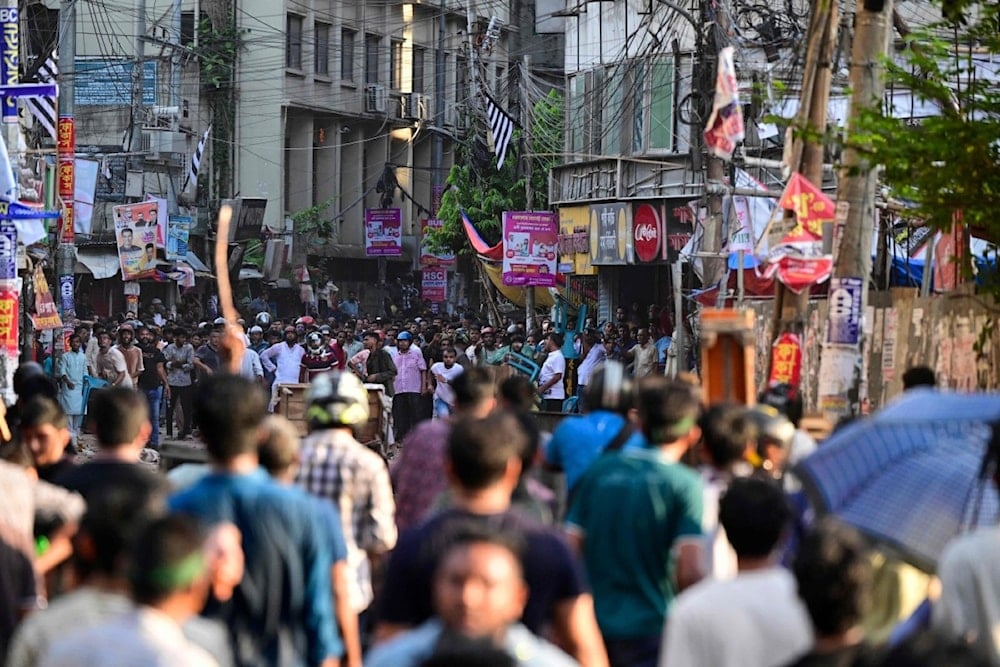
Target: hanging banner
(801, 273)
(383, 232)
(46, 313)
(162, 220)
(8, 250)
(844, 311)
(647, 233)
(178, 234)
(429, 257)
(741, 230)
(135, 231)
(529, 248)
(65, 148)
(85, 174)
(132, 304)
(786, 361)
(9, 63)
(725, 125)
(67, 302)
(434, 285)
(9, 312)
(949, 254)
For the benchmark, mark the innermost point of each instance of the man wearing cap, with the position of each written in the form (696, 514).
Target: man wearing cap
(411, 382)
(257, 342)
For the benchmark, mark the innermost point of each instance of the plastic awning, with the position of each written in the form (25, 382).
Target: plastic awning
(101, 262)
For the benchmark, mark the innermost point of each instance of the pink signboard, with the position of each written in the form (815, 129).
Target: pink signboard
(383, 232)
(530, 244)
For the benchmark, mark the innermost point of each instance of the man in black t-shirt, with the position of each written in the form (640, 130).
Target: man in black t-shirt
(153, 381)
(121, 421)
(483, 467)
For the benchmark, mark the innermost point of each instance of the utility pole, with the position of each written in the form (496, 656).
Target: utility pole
(437, 141)
(714, 262)
(841, 363)
(66, 153)
(137, 160)
(529, 195)
(807, 151)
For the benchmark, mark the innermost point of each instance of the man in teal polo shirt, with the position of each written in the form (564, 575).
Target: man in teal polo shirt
(636, 518)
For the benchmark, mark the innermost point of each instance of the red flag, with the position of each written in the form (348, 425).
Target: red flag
(810, 205)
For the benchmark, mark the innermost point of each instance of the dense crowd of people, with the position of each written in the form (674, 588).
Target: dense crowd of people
(645, 529)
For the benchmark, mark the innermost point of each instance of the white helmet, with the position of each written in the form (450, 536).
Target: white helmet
(263, 320)
(336, 399)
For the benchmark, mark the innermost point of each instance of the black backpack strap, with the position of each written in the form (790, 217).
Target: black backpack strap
(621, 438)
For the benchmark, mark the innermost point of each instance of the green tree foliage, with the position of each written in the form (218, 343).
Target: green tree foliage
(948, 162)
(474, 184)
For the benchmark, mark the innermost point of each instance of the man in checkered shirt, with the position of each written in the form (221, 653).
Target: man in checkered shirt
(354, 478)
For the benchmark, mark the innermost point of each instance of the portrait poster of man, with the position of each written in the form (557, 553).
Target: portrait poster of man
(136, 234)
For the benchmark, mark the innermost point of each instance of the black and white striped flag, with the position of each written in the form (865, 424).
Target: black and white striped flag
(44, 109)
(192, 177)
(501, 128)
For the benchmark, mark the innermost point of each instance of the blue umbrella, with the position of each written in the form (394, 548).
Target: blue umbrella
(909, 476)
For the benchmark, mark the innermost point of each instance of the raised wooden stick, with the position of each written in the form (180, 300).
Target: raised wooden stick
(233, 344)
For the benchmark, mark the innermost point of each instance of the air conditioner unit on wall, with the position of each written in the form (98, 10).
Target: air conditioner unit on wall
(160, 144)
(416, 106)
(425, 109)
(376, 100)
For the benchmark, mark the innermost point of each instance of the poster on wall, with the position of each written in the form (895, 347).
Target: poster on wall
(610, 240)
(845, 311)
(434, 286)
(530, 241)
(428, 256)
(178, 233)
(9, 311)
(383, 232)
(46, 313)
(135, 233)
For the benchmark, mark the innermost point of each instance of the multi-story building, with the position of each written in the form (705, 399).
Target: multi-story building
(340, 104)
(321, 108)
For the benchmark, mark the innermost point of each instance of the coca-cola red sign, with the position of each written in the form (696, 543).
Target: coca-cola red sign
(647, 230)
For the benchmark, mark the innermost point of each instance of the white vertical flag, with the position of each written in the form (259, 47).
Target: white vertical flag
(192, 176)
(501, 128)
(44, 108)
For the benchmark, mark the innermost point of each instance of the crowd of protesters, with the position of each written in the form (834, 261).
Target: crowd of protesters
(650, 529)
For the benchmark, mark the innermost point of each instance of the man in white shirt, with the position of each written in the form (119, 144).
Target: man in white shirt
(284, 361)
(444, 373)
(643, 354)
(551, 387)
(593, 355)
(756, 619)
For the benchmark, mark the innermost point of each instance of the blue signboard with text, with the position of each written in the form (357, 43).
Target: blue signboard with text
(109, 82)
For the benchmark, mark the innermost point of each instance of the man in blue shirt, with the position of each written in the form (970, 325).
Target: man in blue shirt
(281, 612)
(579, 441)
